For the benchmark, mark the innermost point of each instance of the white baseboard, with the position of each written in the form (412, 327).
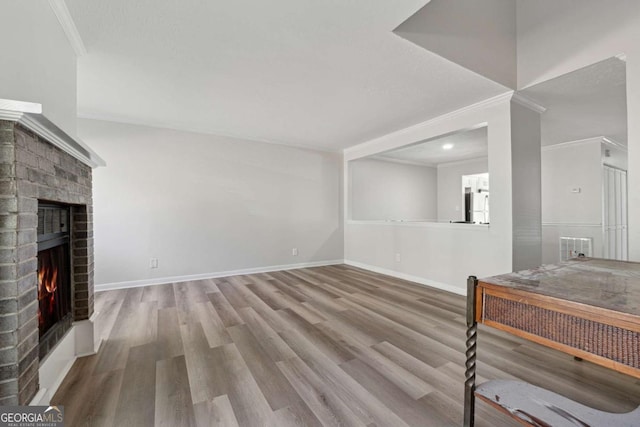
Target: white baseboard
(39, 398)
(55, 368)
(404, 276)
(188, 278)
(77, 342)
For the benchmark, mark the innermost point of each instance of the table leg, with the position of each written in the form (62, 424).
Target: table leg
(470, 364)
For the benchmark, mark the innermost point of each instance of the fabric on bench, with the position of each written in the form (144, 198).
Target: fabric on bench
(539, 407)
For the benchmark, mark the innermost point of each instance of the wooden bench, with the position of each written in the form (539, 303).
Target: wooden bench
(531, 405)
(586, 307)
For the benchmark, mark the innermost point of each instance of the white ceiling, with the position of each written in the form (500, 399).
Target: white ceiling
(326, 74)
(583, 104)
(472, 144)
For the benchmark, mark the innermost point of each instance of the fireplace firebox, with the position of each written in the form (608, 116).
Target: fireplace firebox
(54, 281)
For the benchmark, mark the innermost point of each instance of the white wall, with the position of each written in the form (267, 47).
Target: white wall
(384, 190)
(443, 254)
(566, 167)
(440, 255)
(450, 195)
(569, 166)
(205, 204)
(38, 63)
(559, 36)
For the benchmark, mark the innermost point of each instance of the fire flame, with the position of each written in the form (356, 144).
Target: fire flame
(47, 285)
(49, 278)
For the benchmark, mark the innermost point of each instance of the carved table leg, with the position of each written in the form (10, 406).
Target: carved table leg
(470, 364)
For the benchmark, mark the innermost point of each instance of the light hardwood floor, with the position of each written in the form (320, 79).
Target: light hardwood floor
(334, 346)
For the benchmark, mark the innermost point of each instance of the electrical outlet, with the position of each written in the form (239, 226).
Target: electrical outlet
(153, 263)
(398, 257)
(294, 251)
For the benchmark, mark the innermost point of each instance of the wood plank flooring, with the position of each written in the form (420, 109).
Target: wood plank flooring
(326, 346)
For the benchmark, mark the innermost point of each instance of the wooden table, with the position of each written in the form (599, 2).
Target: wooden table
(586, 307)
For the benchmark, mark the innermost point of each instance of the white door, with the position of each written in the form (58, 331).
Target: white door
(615, 213)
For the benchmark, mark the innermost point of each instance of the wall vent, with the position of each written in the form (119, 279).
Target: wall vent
(571, 247)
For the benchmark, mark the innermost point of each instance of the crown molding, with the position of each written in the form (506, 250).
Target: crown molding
(66, 21)
(613, 143)
(464, 162)
(520, 99)
(489, 102)
(164, 125)
(600, 139)
(383, 158)
(29, 115)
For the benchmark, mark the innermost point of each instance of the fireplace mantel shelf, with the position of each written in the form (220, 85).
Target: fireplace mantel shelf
(29, 115)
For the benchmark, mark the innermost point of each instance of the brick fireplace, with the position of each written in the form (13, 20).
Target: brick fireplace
(34, 172)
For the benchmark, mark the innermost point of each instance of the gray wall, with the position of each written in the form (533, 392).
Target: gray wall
(479, 35)
(38, 63)
(526, 187)
(206, 204)
(383, 190)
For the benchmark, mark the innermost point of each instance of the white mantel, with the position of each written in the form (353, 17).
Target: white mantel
(29, 115)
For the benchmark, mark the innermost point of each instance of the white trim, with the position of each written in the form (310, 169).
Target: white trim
(420, 280)
(91, 352)
(54, 135)
(423, 141)
(602, 139)
(622, 57)
(569, 224)
(382, 158)
(87, 341)
(66, 21)
(200, 130)
(77, 342)
(8, 106)
(522, 100)
(192, 277)
(569, 143)
(44, 394)
(55, 367)
(38, 398)
(464, 162)
(424, 224)
(51, 391)
(473, 107)
(30, 116)
(612, 142)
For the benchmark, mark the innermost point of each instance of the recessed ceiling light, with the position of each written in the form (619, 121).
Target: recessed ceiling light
(447, 146)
